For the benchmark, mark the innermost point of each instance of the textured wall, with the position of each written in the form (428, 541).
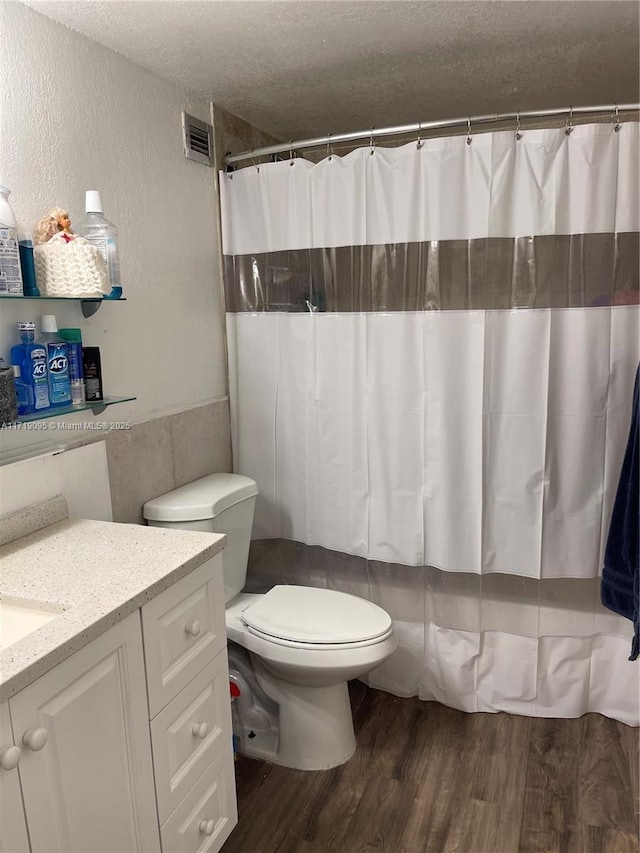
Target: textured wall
(78, 116)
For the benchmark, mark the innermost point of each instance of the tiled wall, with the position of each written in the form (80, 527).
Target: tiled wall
(233, 135)
(162, 454)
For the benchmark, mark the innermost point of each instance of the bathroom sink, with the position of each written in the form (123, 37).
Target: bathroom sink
(19, 618)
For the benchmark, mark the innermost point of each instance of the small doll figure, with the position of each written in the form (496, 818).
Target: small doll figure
(67, 264)
(53, 222)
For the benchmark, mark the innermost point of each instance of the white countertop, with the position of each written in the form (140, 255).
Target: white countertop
(97, 573)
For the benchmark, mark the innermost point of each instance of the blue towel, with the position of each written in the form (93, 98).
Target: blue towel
(620, 587)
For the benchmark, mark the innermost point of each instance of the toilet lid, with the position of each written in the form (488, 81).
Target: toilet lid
(313, 615)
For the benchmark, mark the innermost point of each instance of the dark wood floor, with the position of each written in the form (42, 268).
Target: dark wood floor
(428, 779)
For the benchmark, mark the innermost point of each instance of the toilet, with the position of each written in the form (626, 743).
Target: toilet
(291, 650)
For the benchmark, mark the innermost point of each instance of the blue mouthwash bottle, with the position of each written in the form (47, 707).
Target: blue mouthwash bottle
(32, 382)
(57, 362)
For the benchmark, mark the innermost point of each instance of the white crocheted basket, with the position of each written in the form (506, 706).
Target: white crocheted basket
(74, 269)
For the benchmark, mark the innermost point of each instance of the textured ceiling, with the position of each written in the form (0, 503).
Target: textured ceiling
(306, 68)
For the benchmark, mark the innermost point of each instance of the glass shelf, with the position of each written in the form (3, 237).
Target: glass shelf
(96, 407)
(62, 298)
(88, 304)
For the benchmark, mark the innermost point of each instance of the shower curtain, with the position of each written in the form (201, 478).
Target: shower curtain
(431, 354)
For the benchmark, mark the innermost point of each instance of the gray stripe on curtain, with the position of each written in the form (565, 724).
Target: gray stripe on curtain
(555, 271)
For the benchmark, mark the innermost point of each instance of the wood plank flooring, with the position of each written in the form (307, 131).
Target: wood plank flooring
(429, 779)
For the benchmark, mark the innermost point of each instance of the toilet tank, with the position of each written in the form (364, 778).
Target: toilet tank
(219, 503)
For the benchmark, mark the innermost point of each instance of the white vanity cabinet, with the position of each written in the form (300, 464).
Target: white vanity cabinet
(155, 683)
(86, 769)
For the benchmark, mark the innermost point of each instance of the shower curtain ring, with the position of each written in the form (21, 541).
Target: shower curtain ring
(518, 134)
(569, 127)
(469, 139)
(329, 147)
(419, 145)
(616, 116)
(372, 144)
(253, 161)
(291, 152)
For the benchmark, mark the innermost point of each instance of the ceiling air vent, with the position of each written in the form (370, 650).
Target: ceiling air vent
(198, 140)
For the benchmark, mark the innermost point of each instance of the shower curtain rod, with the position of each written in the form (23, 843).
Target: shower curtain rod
(467, 121)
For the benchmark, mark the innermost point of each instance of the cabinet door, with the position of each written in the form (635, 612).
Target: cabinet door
(13, 829)
(86, 770)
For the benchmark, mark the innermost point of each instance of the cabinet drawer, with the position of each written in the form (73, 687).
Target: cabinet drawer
(210, 807)
(183, 630)
(188, 733)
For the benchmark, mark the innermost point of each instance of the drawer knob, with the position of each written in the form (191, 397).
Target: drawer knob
(207, 827)
(199, 730)
(10, 757)
(35, 739)
(192, 627)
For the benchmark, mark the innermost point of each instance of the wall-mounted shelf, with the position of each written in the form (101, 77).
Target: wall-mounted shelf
(88, 305)
(95, 408)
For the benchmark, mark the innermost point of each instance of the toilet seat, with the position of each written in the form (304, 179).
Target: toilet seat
(299, 644)
(311, 617)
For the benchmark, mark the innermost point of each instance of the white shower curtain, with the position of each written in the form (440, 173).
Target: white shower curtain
(431, 354)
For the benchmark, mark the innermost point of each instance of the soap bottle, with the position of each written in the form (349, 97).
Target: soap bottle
(73, 337)
(10, 272)
(57, 362)
(32, 386)
(103, 234)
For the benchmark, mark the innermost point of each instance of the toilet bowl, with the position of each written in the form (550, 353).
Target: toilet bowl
(303, 643)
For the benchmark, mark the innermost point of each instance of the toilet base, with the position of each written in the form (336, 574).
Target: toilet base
(316, 725)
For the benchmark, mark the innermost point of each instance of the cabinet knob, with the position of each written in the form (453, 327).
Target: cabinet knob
(199, 730)
(192, 627)
(10, 757)
(35, 739)
(207, 827)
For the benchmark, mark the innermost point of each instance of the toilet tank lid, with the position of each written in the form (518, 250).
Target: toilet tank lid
(204, 498)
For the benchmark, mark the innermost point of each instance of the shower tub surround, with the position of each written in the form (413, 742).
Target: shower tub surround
(432, 352)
